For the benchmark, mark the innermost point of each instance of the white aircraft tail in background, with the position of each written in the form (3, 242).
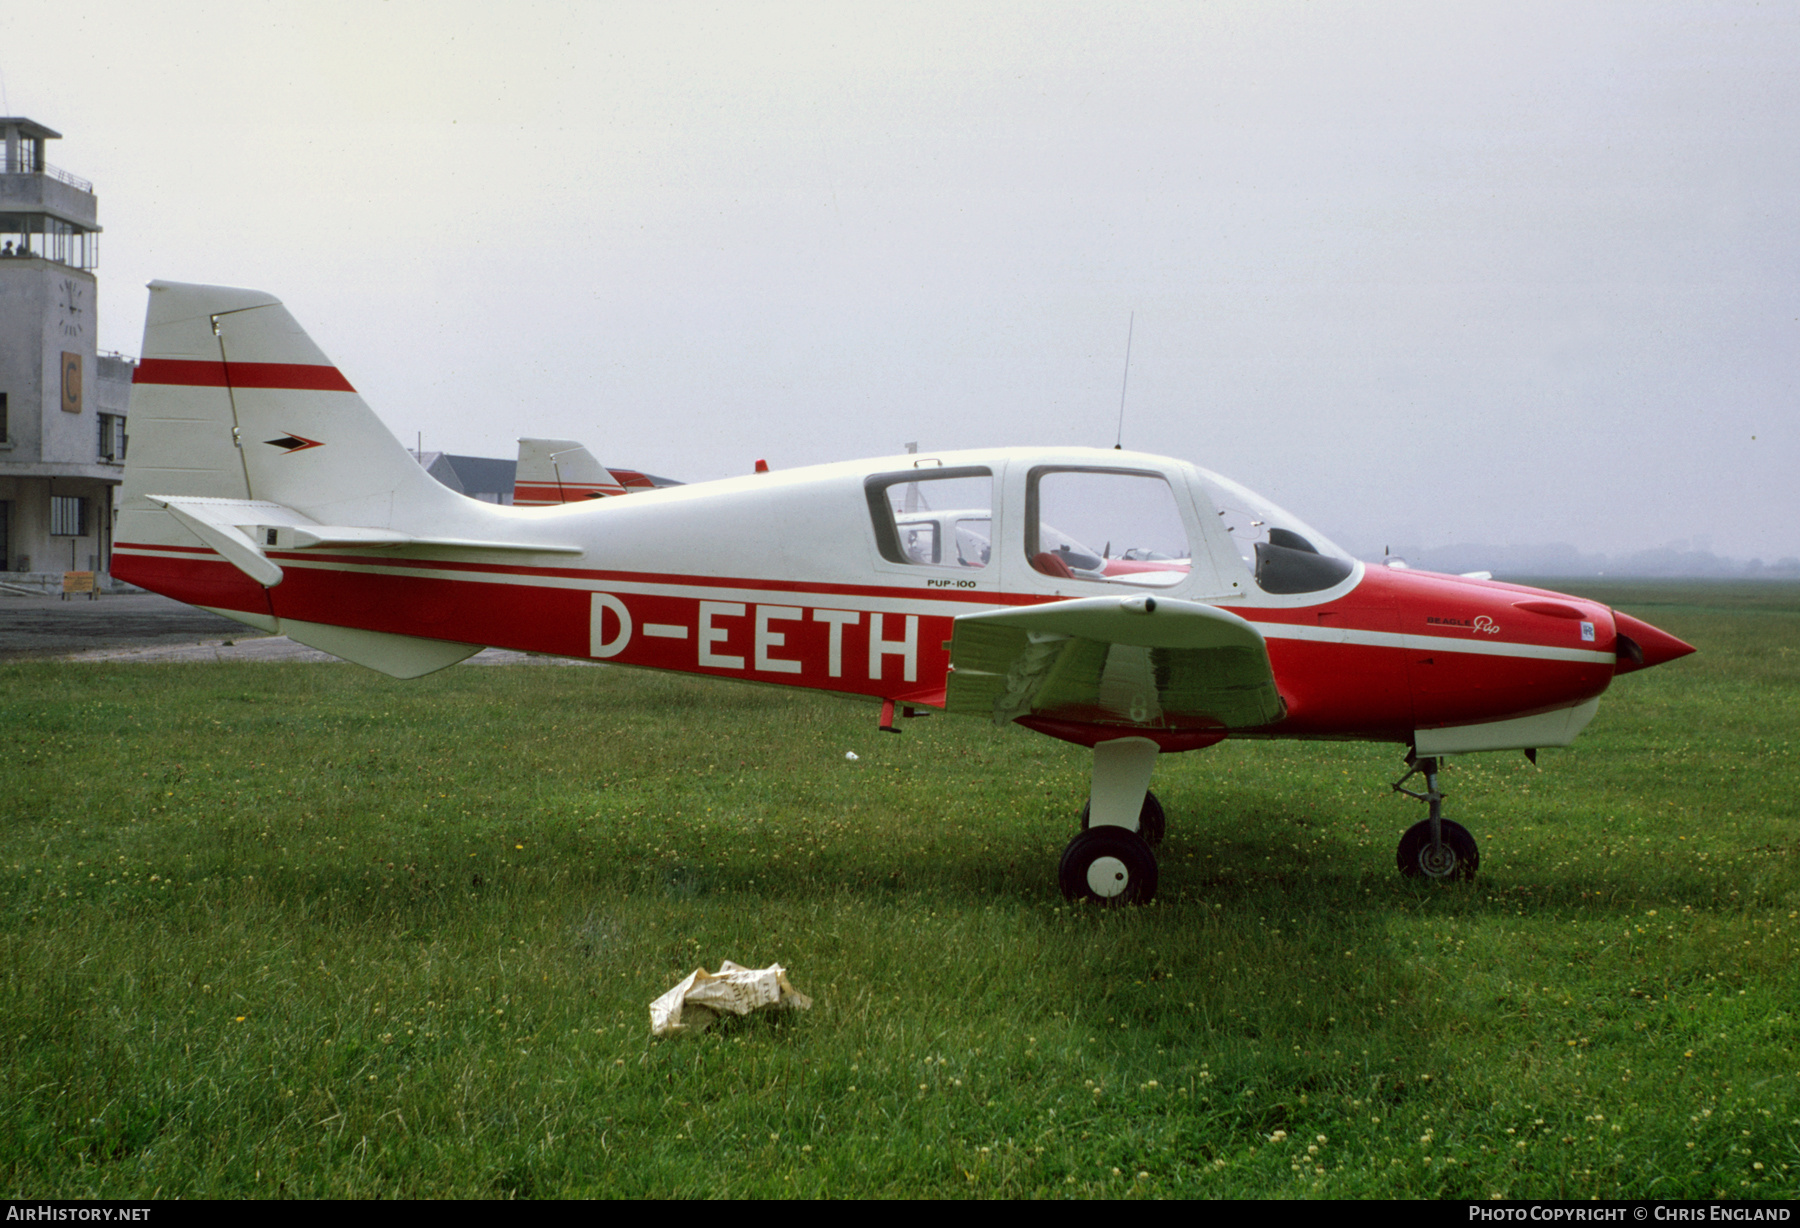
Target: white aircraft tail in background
(553, 471)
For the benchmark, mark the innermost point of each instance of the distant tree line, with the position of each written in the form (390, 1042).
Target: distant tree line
(1678, 559)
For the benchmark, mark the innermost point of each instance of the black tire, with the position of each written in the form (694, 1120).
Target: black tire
(1456, 861)
(1151, 823)
(1108, 865)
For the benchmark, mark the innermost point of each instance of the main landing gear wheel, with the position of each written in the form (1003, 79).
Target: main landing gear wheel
(1151, 823)
(1108, 865)
(1454, 858)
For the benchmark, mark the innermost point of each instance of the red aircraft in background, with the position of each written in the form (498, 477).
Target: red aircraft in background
(1128, 603)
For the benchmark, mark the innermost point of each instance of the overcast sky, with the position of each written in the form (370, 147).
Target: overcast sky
(1424, 273)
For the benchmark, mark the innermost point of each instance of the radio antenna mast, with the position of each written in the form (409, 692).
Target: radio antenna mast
(1119, 439)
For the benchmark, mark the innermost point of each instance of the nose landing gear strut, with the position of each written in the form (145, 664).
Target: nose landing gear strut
(1434, 848)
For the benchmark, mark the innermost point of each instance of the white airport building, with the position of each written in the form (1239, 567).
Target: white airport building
(62, 404)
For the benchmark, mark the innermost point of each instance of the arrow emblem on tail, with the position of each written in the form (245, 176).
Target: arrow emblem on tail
(291, 443)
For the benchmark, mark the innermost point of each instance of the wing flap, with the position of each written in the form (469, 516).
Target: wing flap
(1136, 661)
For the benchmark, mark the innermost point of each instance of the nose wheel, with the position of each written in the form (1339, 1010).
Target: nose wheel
(1453, 857)
(1434, 848)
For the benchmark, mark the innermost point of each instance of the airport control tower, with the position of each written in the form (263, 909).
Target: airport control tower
(62, 405)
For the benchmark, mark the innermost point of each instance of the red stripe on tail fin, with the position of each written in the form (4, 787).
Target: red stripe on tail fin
(190, 373)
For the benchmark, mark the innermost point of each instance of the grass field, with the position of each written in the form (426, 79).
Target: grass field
(301, 930)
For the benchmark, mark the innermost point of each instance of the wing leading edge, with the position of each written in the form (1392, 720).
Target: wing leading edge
(1136, 663)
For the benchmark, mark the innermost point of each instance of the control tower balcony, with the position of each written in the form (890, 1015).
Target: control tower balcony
(45, 212)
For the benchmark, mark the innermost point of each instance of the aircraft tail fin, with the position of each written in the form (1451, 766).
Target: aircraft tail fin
(248, 445)
(553, 471)
(233, 400)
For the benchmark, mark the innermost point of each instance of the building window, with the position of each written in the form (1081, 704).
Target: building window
(67, 514)
(3, 435)
(112, 437)
(49, 238)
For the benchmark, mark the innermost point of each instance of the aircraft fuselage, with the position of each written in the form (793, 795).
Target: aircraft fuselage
(778, 578)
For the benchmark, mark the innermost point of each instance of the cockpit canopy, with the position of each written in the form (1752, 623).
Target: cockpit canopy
(1113, 525)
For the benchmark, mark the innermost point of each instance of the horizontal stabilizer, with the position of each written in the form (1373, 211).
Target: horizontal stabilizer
(211, 520)
(243, 529)
(1141, 661)
(304, 537)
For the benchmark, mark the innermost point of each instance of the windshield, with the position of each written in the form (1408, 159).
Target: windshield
(1282, 553)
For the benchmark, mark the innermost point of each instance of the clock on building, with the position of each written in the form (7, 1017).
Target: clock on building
(70, 308)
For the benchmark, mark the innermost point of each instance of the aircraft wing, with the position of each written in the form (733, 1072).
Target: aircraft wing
(1150, 662)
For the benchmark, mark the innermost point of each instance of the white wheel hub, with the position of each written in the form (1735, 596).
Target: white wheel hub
(1108, 877)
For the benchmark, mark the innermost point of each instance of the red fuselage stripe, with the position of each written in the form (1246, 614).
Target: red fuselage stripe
(1331, 688)
(302, 377)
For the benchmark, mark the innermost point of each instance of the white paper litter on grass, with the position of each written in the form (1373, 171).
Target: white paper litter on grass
(696, 1003)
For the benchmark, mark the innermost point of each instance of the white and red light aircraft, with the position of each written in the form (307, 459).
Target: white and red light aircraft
(1129, 603)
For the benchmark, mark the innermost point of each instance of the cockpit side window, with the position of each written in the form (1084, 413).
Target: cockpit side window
(1117, 526)
(933, 517)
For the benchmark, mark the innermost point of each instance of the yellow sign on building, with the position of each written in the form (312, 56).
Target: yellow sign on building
(71, 383)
